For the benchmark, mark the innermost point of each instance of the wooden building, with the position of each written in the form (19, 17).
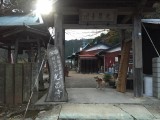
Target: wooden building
(88, 59)
(22, 37)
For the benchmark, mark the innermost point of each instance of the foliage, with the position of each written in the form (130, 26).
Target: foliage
(111, 38)
(25, 5)
(16, 6)
(107, 77)
(156, 13)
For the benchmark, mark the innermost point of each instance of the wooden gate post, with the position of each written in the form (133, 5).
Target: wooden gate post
(57, 91)
(137, 57)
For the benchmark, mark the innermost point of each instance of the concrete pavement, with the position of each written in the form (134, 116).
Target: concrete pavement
(93, 104)
(72, 111)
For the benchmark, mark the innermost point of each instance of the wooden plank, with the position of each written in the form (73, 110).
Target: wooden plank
(2, 83)
(27, 73)
(35, 69)
(18, 83)
(9, 88)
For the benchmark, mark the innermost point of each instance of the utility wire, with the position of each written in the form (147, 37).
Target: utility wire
(151, 40)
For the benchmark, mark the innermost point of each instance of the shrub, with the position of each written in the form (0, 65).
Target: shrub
(107, 77)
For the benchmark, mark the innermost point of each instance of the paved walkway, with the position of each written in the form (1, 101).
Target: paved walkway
(94, 104)
(77, 80)
(101, 112)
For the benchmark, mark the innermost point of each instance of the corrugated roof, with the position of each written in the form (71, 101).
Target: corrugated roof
(152, 21)
(29, 19)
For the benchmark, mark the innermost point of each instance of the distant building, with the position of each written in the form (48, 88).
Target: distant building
(88, 60)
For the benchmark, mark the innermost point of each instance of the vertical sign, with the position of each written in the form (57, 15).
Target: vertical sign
(56, 89)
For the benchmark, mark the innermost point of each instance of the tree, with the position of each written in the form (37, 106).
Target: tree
(156, 13)
(16, 6)
(111, 38)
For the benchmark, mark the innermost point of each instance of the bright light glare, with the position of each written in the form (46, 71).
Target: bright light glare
(44, 6)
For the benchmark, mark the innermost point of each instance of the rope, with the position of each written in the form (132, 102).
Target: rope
(151, 40)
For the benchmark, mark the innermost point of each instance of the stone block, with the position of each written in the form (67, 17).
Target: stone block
(156, 84)
(156, 89)
(156, 79)
(156, 65)
(156, 70)
(156, 60)
(156, 74)
(156, 94)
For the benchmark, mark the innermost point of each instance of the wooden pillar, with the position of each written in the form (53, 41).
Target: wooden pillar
(9, 55)
(59, 34)
(16, 52)
(57, 93)
(137, 57)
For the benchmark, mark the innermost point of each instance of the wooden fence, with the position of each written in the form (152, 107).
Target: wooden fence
(16, 82)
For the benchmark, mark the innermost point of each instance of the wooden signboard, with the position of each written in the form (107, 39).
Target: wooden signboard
(97, 16)
(56, 89)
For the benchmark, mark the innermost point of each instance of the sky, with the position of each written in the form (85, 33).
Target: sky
(78, 34)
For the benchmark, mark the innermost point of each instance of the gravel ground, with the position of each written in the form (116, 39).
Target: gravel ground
(78, 80)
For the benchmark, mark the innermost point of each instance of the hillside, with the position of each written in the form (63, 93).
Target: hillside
(73, 46)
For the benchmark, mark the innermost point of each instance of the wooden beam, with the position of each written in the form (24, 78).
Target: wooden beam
(120, 10)
(118, 26)
(15, 31)
(59, 34)
(3, 47)
(138, 10)
(59, 45)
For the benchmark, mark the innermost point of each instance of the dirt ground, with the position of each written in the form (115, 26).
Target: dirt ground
(78, 80)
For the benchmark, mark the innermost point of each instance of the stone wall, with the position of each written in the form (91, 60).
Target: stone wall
(156, 77)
